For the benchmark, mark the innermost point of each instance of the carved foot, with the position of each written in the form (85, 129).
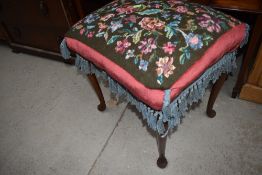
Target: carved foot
(211, 113)
(101, 106)
(161, 162)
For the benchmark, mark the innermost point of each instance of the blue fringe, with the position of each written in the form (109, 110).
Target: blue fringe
(244, 42)
(171, 112)
(64, 50)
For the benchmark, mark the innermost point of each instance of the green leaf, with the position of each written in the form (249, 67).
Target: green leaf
(150, 12)
(136, 37)
(152, 56)
(113, 39)
(140, 6)
(106, 36)
(183, 49)
(206, 39)
(127, 30)
(169, 32)
(165, 6)
(188, 55)
(182, 58)
(147, 33)
(90, 27)
(100, 34)
(223, 25)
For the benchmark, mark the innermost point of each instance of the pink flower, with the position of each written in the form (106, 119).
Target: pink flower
(181, 9)
(149, 23)
(210, 24)
(157, 6)
(122, 46)
(169, 48)
(231, 24)
(131, 18)
(147, 45)
(107, 17)
(102, 26)
(82, 31)
(90, 34)
(165, 66)
(200, 10)
(125, 9)
(174, 2)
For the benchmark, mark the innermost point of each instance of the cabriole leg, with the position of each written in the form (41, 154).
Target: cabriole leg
(161, 144)
(213, 95)
(96, 87)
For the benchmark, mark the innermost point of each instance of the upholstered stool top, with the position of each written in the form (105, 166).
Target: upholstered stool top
(157, 50)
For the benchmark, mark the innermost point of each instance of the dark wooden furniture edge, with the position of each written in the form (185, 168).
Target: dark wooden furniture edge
(249, 55)
(17, 48)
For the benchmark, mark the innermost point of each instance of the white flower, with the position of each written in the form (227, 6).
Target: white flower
(130, 53)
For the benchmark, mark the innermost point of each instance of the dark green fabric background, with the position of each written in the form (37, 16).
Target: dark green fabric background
(148, 78)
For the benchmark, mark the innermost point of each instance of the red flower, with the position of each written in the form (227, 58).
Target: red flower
(126, 9)
(181, 9)
(169, 48)
(90, 34)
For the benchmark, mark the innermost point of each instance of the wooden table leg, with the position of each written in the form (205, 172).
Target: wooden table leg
(96, 87)
(213, 95)
(161, 144)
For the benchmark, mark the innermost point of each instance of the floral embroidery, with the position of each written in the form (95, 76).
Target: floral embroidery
(181, 9)
(122, 46)
(131, 18)
(91, 18)
(116, 25)
(102, 26)
(130, 54)
(174, 2)
(210, 24)
(169, 48)
(147, 45)
(126, 9)
(143, 65)
(107, 17)
(165, 66)
(82, 31)
(152, 34)
(194, 41)
(90, 34)
(151, 23)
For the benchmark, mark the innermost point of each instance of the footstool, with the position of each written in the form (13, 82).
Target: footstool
(158, 55)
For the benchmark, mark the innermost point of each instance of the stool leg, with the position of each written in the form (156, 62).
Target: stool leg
(161, 144)
(96, 87)
(213, 95)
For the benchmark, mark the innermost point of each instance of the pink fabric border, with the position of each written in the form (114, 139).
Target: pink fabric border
(154, 97)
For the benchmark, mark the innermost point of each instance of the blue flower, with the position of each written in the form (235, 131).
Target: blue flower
(116, 25)
(91, 18)
(143, 65)
(177, 17)
(194, 41)
(165, 14)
